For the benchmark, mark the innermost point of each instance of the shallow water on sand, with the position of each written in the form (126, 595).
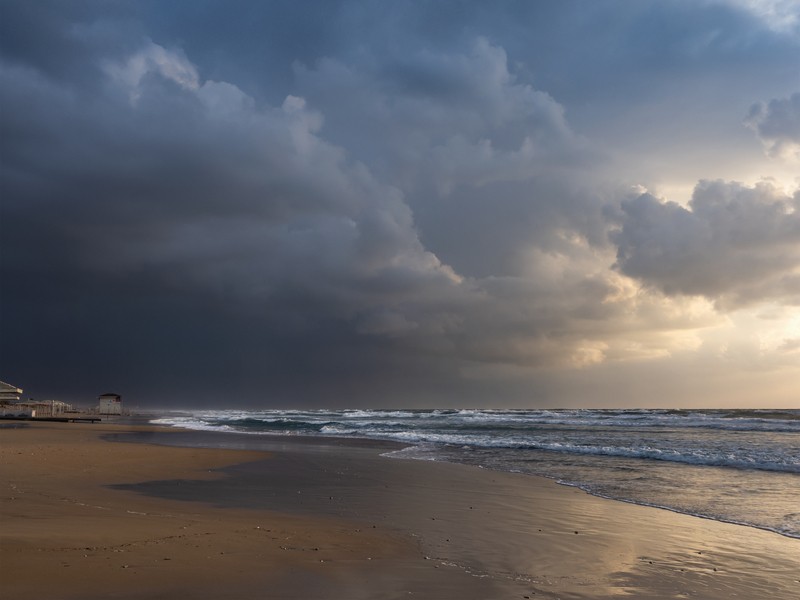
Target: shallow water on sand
(740, 466)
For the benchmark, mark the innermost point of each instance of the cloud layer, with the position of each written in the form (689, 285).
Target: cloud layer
(777, 123)
(733, 243)
(390, 217)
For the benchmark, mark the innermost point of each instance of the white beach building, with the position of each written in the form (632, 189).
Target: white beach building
(39, 408)
(9, 393)
(10, 405)
(109, 404)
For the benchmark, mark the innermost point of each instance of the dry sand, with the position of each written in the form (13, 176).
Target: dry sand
(82, 517)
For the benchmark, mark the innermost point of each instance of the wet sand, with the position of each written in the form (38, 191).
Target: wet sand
(148, 517)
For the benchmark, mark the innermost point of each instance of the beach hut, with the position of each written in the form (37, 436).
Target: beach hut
(109, 404)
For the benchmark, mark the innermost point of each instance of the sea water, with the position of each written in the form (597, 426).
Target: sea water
(739, 466)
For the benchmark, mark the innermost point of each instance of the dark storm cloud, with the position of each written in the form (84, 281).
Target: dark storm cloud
(479, 144)
(353, 203)
(161, 188)
(64, 40)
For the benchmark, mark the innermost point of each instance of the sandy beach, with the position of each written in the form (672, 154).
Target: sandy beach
(123, 511)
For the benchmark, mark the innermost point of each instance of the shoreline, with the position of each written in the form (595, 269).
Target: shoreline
(391, 446)
(386, 527)
(604, 479)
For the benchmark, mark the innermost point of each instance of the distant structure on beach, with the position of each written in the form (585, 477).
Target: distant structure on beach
(109, 404)
(9, 401)
(11, 405)
(40, 408)
(9, 393)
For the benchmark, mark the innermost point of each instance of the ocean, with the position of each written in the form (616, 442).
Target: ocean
(737, 466)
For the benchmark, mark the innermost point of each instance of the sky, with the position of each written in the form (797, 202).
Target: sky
(339, 203)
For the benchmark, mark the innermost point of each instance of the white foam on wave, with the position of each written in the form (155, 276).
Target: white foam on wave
(578, 432)
(191, 423)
